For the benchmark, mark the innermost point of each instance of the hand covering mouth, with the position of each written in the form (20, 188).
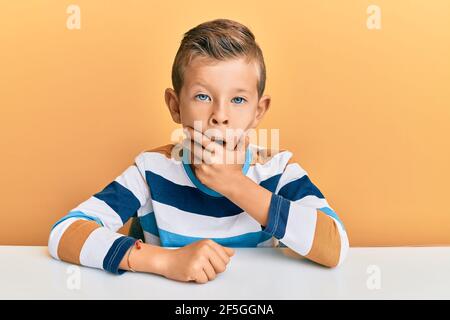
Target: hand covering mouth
(219, 141)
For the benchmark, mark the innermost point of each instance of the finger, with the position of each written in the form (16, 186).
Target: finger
(201, 277)
(209, 270)
(200, 155)
(202, 139)
(229, 251)
(220, 250)
(217, 262)
(243, 142)
(211, 146)
(193, 134)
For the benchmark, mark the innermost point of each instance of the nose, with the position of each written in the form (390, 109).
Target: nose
(219, 116)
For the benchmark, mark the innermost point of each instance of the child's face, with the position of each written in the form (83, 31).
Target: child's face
(221, 94)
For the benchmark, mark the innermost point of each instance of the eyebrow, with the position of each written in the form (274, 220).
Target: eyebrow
(242, 90)
(199, 84)
(204, 86)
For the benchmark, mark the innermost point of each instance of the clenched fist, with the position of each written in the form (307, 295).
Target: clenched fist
(200, 261)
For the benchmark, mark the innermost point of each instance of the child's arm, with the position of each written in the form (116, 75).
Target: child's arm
(88, 234)
(200, 261)
(297, 213)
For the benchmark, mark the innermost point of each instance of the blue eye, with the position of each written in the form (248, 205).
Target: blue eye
(202, 97)
(238, 100)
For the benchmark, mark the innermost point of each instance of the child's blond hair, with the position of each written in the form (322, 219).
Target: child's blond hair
(219, 39)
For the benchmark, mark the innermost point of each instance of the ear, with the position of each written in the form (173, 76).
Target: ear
(261, 109)
(173, 103)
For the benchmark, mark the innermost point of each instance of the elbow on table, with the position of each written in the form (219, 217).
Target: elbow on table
(329, 248)
(331, 254)
(330, 244)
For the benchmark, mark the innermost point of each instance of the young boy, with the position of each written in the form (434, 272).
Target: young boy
(187, 198)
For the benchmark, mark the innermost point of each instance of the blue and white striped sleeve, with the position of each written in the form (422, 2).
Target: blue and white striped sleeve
(88, 235)
(301, 219)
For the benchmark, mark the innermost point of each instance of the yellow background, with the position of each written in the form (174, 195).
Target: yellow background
(365, 111)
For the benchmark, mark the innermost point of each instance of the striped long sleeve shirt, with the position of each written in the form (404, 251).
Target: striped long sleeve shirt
(175, 209)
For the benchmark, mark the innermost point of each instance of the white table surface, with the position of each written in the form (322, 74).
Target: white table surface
(253, 273)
